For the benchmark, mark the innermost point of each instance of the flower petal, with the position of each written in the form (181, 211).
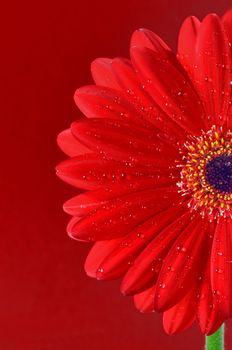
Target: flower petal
(227, 23)
(120, 75)
(182, 264)
(123, 214)
(91, 171)
(145, 38)
(102, 102)
(145, 270)
(103, 73)
(213, 67)
(86, 202)
(144, 104)
(208, 313)
(170, 88)
(182, 315)
(70, 145)
(132, 244)
(97, 254)
(221, 266)
(144, 301)
(122, 141)
(187, 43)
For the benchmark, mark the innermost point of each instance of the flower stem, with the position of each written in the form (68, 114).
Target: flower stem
(216, 340)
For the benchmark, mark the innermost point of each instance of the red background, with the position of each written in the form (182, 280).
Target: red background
(46, 301)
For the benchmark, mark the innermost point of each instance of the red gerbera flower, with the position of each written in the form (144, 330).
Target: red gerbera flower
(155, 160)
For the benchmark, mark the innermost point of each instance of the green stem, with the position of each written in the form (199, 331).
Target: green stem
(216, 340)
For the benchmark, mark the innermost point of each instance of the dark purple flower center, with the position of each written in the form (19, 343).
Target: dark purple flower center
(219, 173)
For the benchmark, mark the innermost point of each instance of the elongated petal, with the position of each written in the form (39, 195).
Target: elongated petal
(146, 267)
(70, 145)
(187, 43)
(102, 102)
(125, 253)
(91, 171)
(119, 74)
(227, 23)
(103, 73)
(144, 301)
(143, 102)
(72, 222)
(145, 38)
(85, 171)
(209, 316)
(213, 66)
(170, 87)
(120, 216)
(122, 141)
(97, 254)
(221, 266)
(182, 265)
(182, 315)
(88, 201)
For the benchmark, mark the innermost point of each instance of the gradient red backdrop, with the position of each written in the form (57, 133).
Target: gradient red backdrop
(46, 301)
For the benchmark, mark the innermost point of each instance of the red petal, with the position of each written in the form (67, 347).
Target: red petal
(208, 313)
(145, 38)
(91, 171)
(187, 43)
(122, 141)
(103, 73)
(72, 222)
(99, 102)
(88, 201)
(144, 301)
(182, 264)
(78, 171)
(221, 267)
(130, 83)
(170, 88)
(146, 267)
(121, 215)
(143, 103)
(70, 145)
(120, 75)
(97, 254)
(182, 315)
(125, 253)
(213, 66)
(227, 23)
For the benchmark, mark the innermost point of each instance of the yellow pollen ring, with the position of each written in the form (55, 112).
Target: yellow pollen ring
(196, 154)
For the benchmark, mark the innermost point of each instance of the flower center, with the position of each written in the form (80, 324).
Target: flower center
(206, 172)
(218, 173)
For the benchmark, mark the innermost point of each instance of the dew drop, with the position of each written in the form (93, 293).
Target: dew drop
(219, 270)
(170, 268)
(216, 292)
(140, 235)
